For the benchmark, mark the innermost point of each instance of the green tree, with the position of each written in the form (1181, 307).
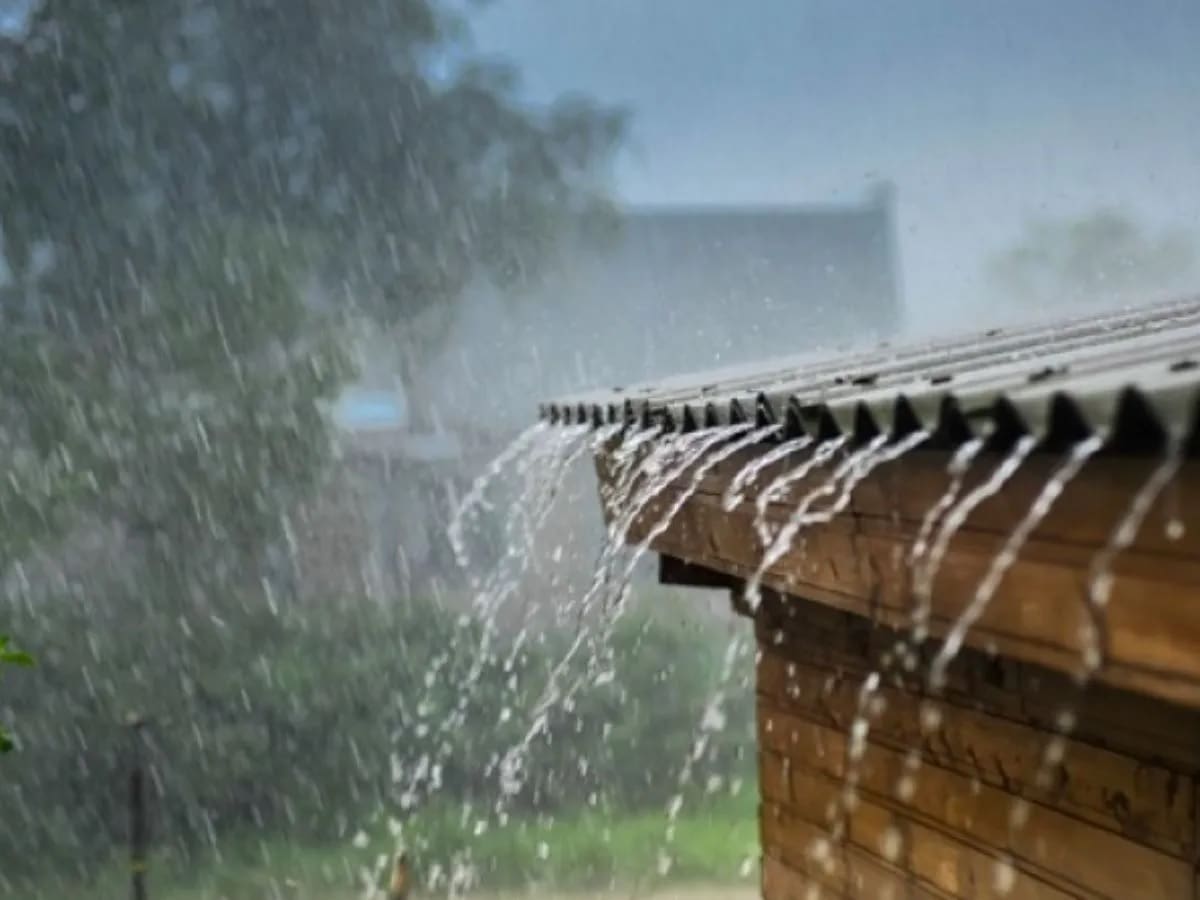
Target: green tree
(1103, 256)
(196, 199)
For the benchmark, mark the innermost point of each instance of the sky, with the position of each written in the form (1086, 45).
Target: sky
(984, 115)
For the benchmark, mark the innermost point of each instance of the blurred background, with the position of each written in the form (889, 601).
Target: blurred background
(279, 278)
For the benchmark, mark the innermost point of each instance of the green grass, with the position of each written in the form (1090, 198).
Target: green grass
(711, 845)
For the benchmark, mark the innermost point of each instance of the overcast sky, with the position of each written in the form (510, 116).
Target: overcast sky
(983, 114)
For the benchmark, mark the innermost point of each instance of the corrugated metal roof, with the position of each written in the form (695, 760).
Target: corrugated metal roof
(1132, 376)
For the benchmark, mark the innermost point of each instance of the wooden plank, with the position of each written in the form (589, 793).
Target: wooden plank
(1196, 840)
(1036, 615)
(1049, 842)
(860, 877)
(790, 839)
(1133, 725)
(782, 882)
(1089, 507)
(1145, 802)
(939, 865)
(678, 572)
(858, 561)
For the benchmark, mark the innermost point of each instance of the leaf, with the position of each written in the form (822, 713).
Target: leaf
(13, 657)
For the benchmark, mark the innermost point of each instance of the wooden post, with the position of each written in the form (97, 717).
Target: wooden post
(138, 831)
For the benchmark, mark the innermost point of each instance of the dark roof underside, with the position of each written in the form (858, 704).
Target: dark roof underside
(1131, 376)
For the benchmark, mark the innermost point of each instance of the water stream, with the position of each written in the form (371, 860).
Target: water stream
(781, 542)
(1100, 571)
(1003, 561)
(643, 465)
(474, 497)
(757, 436)
(537, 462)
(955, 519)
(663, 466)
(880, 454)
(960, 464)
(777, 486)
(741, 483)
(1097, 592)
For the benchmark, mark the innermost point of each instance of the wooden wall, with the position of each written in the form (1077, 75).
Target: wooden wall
(860, 561)
(1116, 819)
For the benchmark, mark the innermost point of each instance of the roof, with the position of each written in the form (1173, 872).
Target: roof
(1132, 376)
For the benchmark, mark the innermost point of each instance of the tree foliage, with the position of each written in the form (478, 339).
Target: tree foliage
(303, 725)
(195, 197)
(125, 123)
(9, 656)
(1104, 256)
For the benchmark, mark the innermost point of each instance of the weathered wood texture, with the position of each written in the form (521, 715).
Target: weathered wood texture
(993, 802)
(859, 561)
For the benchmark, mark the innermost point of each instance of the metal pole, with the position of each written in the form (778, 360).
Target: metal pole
(138, 832)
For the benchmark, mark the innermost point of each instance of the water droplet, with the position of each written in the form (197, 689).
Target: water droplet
(664, 864)
(891, 843)
(1018, 815)
(1004, 877)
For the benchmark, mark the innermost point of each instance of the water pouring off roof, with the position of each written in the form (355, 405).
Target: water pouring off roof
(925, 536)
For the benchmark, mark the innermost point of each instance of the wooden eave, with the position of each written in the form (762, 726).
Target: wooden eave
(860, 561)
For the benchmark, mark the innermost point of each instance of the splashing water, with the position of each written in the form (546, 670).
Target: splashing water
(1003, 561)
(661, 470)
(624, 469)
(746, 476)
(704, 457)
(821, 455)
(712, 721)
(544, 473)
(539, 461)
(713, 718)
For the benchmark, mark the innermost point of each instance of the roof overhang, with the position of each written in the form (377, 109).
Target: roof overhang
(1131, 378)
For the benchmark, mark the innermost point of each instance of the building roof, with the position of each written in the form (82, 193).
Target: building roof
(1132, 376)
(732, 278)
(672, 289)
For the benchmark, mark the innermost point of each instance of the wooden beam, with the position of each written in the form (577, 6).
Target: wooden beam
(860, 561)
(673, 570)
